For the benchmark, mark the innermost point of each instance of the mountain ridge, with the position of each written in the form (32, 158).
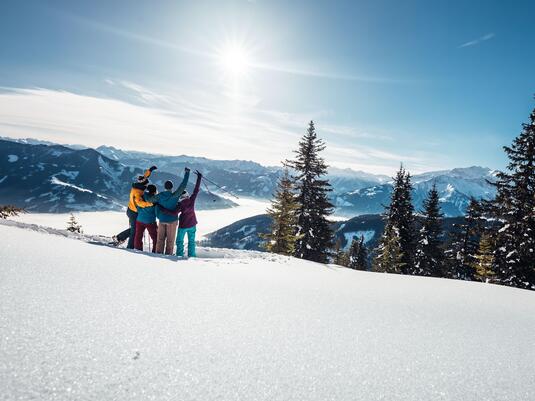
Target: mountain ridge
(354, 192)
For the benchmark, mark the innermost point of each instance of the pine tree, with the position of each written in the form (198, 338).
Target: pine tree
(395, 252)
(358, 255)
(406, 226)
(341, 257)
(73, 226)
(9, 211)
(514, 206)
(389, 257)
(464, 244)
(282, 211)
(484, 259)
(429, 260)
(315, 237)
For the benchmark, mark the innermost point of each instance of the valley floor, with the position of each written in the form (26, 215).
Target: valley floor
(109, 223)
(85, 322)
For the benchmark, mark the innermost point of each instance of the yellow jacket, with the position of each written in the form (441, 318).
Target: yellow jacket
(136, 195)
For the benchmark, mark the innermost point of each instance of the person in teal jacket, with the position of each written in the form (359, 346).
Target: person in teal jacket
(167, 228)
(146, 219)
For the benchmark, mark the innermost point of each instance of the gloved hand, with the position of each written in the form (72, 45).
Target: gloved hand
(198, 173)
(153, 168)
(187, 169)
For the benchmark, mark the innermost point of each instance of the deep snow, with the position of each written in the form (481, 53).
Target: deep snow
(86, 322)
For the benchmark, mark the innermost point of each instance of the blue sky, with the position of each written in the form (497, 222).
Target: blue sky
(432, 84)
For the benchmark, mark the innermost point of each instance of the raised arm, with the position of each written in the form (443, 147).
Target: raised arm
(149, 171)
(183, 184)
(197, 187)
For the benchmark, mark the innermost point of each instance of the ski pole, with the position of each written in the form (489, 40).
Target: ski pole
(219, 186)
(210, 192)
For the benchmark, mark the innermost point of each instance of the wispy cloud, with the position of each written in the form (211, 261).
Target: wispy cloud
(209, 125)
(144, 94)
(479, 40)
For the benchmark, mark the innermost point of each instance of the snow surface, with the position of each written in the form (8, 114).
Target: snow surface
(12, 158)
(86, 322)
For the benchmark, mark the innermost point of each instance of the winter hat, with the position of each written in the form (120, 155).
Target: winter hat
(168, 185)
(141, 179)
(185, 195)
(151, 189)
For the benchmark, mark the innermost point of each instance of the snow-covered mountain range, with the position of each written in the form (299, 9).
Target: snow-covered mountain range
(455, 187)
(55, 178)
(354, 192)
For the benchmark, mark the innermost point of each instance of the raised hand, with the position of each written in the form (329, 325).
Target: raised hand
(153, 168)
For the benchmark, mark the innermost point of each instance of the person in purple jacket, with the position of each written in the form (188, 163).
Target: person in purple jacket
(187, 222)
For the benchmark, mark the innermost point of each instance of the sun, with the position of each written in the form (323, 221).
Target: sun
(234, 60)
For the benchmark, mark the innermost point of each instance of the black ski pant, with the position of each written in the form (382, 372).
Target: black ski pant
(130, 232)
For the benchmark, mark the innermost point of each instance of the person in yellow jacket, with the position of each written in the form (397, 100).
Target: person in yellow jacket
(136, 199)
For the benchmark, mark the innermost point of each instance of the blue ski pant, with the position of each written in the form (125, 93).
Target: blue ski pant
(182, 232)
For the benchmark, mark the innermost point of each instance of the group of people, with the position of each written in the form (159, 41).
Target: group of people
(173, 209)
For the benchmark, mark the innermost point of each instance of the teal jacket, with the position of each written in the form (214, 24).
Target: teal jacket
(146, 215)
(168, 200)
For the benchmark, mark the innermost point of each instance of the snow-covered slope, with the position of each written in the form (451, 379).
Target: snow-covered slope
(87, 322)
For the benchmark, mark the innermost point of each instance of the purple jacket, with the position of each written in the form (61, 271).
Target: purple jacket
(186, 208)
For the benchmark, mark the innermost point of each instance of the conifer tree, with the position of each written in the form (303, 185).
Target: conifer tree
(281, 239)
(484, 259)
(514, 256)
(395, 252)
(73, 226)
(341, 257)
(389, 257)
(358, 254)
(315, 237)
(429, 258)
(464, 244)
(9, 211)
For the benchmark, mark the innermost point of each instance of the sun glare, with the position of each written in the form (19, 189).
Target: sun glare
(234, 60)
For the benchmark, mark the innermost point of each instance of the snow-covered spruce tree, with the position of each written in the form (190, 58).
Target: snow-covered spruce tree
(389, 257)
(395, 253)
(514, 206)
(484, 259)
(315, 237)
(464, 244)
(9, 211)
(73, 226)
(358, 255)
(341, 257)
(429, 258)
(281, 239)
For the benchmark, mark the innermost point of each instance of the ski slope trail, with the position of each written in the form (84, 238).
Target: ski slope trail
(86, 322)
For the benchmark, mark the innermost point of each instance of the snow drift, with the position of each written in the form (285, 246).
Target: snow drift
(86, 322)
